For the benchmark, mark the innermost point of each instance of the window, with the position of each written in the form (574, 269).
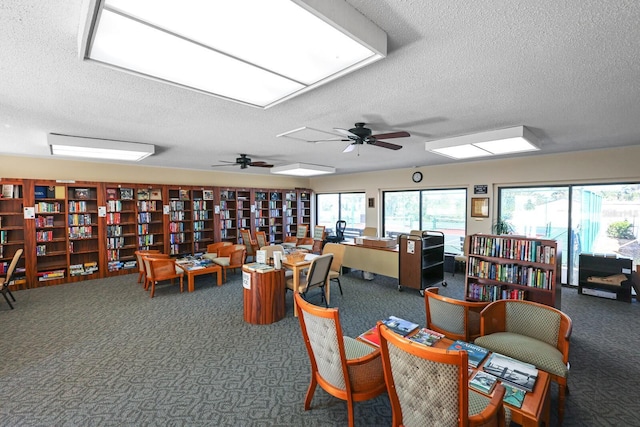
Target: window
(349, 207)
(597, 218)
(438, 210)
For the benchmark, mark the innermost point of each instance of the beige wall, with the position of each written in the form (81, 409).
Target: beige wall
(612, 165)
(36, 168)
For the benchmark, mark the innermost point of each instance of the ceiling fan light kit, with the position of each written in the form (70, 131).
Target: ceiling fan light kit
(492, 143)
(282, 49)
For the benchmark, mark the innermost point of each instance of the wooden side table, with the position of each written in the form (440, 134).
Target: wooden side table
(263, 296)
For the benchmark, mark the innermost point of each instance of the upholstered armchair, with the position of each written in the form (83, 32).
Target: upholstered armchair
(161, 269)
(345, 368)
(231, 257)
(214, 248)
(250, 244)
(430, 386)
(146, 262)
(292, 241)
(313, 244)
(456, 319)
(140, 261)
(261, 239)
(530, 332)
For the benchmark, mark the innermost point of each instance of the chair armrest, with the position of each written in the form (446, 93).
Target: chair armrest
(494, 411)
(492, 318)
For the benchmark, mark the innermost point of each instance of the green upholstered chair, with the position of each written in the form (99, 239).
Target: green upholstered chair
(456, 319)
(345, 368)
(430, 386)
(292, 241)
(530, 332)
(314, 244)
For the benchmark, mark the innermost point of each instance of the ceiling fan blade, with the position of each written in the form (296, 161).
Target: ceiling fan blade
(390, 135)
(337, 138)
(388, 145)
(228, 164)
(345, 132)
(260, 165)
(349, 148)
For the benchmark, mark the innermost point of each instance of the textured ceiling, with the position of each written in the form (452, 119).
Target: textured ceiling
(569, 70)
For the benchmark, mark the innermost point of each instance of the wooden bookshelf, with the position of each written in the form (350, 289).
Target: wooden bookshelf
(276, 219)
(180, 232)
(51, 234)
(149, 218)
(304, 207)
(203, 220)
(121, 229)
(243, 206)
(83, 232)
(261, 198)
(227, 216)
(513, 267)
(12, 228)
(290, 212)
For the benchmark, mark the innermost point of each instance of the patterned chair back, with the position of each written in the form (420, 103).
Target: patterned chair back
(323, 337)
(301, 231)
(520, 318)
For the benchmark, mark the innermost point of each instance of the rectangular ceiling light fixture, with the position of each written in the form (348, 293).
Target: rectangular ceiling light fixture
(93, 148)
(492, 143)
(302, 169)
(256, 52)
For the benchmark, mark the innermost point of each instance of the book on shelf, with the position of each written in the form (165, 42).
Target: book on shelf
(143, 194)
(475, 353)
(112, 194)
(81, 193)
(514, 396)
(371, 336)
(7, 191)
(483, 381)
(511, 371)
(426, 336)
(155, 194)
(207, 194)
(400, 326)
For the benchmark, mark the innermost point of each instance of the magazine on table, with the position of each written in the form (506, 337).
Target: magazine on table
(483, 382)
(426, 336)
(511, 371)
(400, 326)
(475, 353)
(371, 336)
(513, 395)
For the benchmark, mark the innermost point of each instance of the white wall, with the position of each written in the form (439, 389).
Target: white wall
(611, 165)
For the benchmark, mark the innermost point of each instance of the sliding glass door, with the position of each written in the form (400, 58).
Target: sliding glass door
(600, 218)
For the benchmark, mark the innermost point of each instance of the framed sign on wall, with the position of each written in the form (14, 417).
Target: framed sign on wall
(480, 207)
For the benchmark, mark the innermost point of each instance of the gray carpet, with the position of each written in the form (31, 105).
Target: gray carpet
(102, 353)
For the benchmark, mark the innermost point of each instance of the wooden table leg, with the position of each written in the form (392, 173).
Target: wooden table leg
(296, 289)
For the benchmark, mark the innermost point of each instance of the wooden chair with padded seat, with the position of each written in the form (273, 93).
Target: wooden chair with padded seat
(344, 367)
(336, 265)
(313, 244)
(316, 277)
(161, 269)
(250, 244)
(261, 239)
(146, 261)
(430, 386)
(292, 241)
(231, 257)
(140, 261)
(456, 319)
(8, 278)
(531, 332)
(214, 248)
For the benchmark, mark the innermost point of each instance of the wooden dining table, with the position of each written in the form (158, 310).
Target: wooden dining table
(297, 268)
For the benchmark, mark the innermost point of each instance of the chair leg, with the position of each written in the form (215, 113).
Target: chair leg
(563, 390)
(310, 391)
(4, 294)
(153, 288)
(339, 285)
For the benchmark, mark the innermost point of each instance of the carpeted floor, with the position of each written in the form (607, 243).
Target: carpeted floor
(102, 353)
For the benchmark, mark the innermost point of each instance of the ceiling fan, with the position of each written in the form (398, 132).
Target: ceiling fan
(244, 161)
(360, 135)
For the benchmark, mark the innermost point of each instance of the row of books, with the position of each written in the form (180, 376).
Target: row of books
(44, 236)
(480, 292)
(513, 248)
(177, 215)
(200, 226)
(84, 232)
(10, 191)
(175, 227)
(511, 273)
(114, 230)
(147, 206)
(83, 269)
(176, 205)
(77, 206)
(80, 219)
(51, 275)
(119, 265)
(200, 215)
(48, 207)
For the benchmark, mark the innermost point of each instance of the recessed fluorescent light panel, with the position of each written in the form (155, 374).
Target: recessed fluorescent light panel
(493, 143)
(310, 135)
(92, 148)
(255, 52)
(302, 169)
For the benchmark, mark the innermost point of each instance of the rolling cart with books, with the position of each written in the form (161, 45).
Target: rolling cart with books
(421, 262)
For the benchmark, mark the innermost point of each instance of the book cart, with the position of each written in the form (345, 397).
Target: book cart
(421, 262)
(513, 267)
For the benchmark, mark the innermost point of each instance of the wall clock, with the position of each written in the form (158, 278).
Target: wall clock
(416, 177)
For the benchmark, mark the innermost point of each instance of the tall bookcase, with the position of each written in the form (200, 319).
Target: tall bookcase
(513, 267)
(149, 218)
(262, 212)
(276, 226)
(228, 212)
(12, 234)
(121, 228)
(51, 232)
(83, 228)
(243, 205)
(305, 207)
(203, 222)
(180, 232)
(290, 212)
